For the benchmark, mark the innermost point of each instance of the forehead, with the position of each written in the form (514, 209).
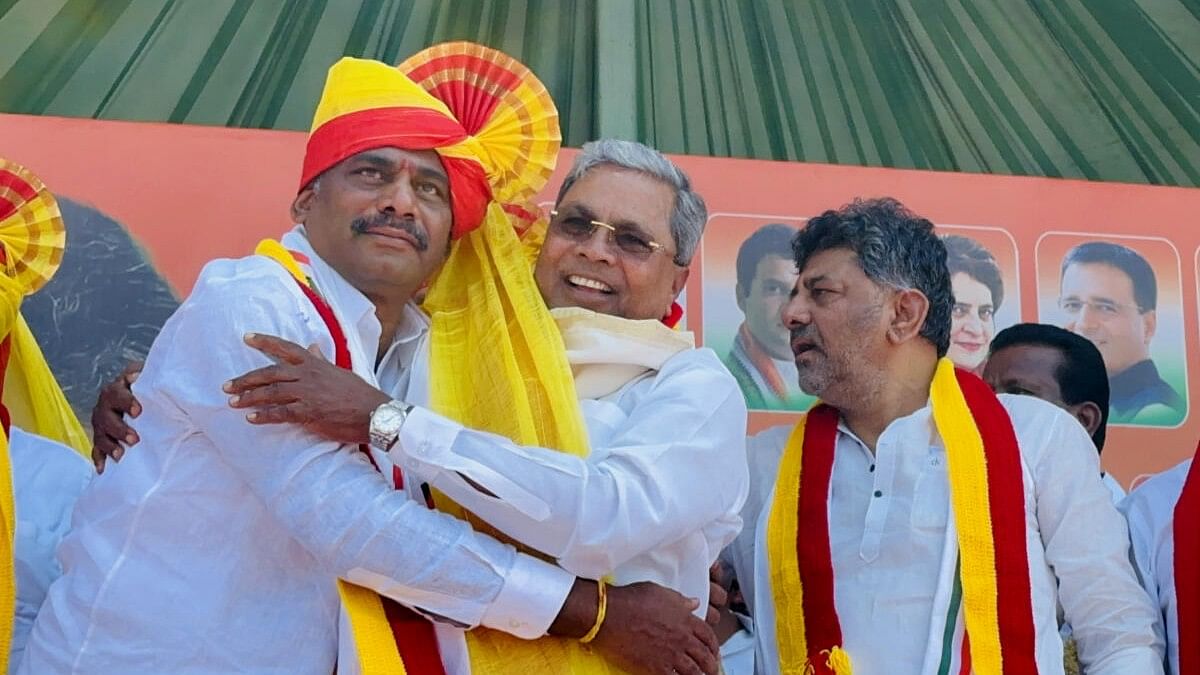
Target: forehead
(394, 158)
(839, 264)
(969, 290)
(620, 196)
(777, 267)
(1026, 364)
(1097, 280)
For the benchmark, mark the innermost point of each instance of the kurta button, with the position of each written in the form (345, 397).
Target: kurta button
(879, 493)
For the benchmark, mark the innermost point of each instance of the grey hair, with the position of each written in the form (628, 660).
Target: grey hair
(689, 216)
(895, 248)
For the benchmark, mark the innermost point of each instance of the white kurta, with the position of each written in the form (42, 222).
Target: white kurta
(214, 545)
(47, 478)
(889, 516)
(656, 500)
(1150, 510)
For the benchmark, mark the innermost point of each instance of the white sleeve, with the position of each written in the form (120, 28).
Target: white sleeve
(1087, 545)
(676, 465)
(328, 496)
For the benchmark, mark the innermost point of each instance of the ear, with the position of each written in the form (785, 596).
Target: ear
(1088, 414)
(1150, 323)
(740, 292)
(302, 204)
(909, 309)
(680, 280)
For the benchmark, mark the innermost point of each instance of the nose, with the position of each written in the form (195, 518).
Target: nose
(1088, 318)
(598, 247)
(398, 199)
(795, 311)
(973, 325)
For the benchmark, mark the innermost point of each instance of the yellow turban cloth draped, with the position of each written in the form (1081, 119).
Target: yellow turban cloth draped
(497, 358)
(32, 238)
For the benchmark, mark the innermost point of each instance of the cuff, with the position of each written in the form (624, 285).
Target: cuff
(531, 598)
(421, 438)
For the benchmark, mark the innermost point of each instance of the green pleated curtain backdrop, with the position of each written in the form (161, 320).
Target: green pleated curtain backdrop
(1096, 89)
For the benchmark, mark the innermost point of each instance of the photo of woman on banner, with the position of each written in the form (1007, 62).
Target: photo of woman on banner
(761, 355)
(1109, 293)
(978, 287)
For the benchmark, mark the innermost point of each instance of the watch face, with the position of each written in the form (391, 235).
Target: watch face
(387, 417)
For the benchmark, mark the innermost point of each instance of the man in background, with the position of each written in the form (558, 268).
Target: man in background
(1109, 295)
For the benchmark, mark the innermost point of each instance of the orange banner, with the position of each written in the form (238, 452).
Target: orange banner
(1072, 253)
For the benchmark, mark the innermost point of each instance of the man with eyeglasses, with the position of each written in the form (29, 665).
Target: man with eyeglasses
(658, 495)
(1109, 295)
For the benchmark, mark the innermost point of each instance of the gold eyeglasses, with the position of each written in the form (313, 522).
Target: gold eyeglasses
(629, 241)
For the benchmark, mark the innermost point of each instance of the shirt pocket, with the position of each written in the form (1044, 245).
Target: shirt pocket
(931, 495)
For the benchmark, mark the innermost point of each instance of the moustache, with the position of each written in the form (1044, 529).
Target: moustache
(361, 225)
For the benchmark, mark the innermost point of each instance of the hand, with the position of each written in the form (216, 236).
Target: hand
(651, 629)
(647, 629)
(720, 617)
(110, 434)
(306, 389)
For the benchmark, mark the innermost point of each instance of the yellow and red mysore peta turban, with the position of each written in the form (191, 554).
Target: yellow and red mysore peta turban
(496, 134)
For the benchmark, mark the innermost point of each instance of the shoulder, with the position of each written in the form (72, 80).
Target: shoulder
(699, 367)
(226, 279)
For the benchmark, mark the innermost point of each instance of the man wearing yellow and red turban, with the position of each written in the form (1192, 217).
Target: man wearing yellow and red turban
(216, 546)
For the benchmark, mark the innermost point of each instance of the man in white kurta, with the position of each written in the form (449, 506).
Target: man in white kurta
(1150, 510)
(214, 546)
(891, 538)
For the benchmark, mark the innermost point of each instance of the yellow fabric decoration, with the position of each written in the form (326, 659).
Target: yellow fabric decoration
(966, 464)
(788, 592)
(497, 363)
(32, 236)
(11, 292)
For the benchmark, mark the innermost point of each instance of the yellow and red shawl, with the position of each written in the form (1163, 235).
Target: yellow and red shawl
(988, 500)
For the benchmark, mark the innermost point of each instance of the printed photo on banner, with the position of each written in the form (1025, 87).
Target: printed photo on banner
(1125, 295)
(983, 274)
(748, 275)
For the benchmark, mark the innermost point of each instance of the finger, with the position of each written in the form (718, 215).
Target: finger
(110, 423)
(684, 664)
(713, 616)
(274, 414)
(132, 370)
(98, 458)
(277, 348)
(717, 597)
(279, 393)
(118, 453)
(262, 377)
(699, 659)
(315, 350)
(706, 636)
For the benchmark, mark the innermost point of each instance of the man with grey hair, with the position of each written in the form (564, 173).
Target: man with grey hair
(915, 522)
(659, 494)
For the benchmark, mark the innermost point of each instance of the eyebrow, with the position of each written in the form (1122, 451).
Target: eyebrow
(811, 281)
(381, 162)
(622, 224)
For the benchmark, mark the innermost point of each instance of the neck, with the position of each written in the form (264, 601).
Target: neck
(390, 313)
(903, 388)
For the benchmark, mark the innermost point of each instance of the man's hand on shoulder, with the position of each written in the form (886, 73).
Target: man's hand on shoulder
(304, 388)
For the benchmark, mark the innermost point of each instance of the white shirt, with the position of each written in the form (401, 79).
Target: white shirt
(214, 545)
(1114, 488)
(889, 514)
(47, 478)
(1151, 512)
(656, 499)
